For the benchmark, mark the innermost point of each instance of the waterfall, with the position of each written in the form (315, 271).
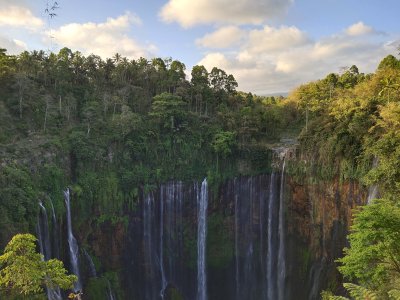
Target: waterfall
(271, 239)
(55, 233)
(162, 271)
(254, 209)
(110, 294)
(73, 245)
(151, 264)
(45, 247)
(373, 189)
(281, 254)
(315, 279)
(237, 275)
(43, 233)
(201, 242)
(92, 268)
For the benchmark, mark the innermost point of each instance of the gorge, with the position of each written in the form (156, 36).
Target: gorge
(150, 186)
(258, 244)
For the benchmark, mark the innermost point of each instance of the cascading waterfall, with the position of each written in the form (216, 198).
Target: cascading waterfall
(271, 255)
(45, 247)
(43, 233)
(237, 275)
(174, 229)
(162, 271)
(151, 265)
(55, 234)
(110, 293)
(373, 189)
(92, 268)
(281, 254)
(73, 245)
(170, 237)
(256, 244)
(201, 242)
(315, 279)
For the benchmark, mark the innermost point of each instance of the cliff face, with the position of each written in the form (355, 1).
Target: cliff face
(155, 252)
(319, 216)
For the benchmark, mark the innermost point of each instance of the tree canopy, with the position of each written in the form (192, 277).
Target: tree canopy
(25, 272)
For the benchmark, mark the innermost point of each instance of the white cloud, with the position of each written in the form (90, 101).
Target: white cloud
(13, 46)
(224, 37)
(359, 29)
(278, 65)
(189, 13)
(104, 39)
(18, 16)
(271, 39)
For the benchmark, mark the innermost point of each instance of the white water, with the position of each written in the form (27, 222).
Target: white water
(92, 267)
(43, 232)
(270, 256)
(110, 294)
(45, 247)
(281, 253)
(237, 242)
(373, 189)
(202, 204)
(163, 278)
(73, 245)
(55, 235)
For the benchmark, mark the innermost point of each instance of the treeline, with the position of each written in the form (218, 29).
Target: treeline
(353, 120)
(46, 92)
(114, 128)
(353, 131)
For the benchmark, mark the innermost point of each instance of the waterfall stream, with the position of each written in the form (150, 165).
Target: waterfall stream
(271, 284)
(110, 293)
(174, 230)
(73, 245)
(373, 191)
(45, 246)
(92, 267)
(201, 242)
(281, 231)
(162, 271)
(43, 233)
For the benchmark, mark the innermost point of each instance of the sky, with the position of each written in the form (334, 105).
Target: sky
(269, 46)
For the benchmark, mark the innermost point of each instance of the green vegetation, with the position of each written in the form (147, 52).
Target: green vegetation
(353, 132)
(112, 129)
(352, 119)
(24, 273)
(373, 258)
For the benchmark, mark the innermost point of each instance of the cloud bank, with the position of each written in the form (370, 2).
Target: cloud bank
(19, 16)
(188, 13)
(274, 60)
(104, 39)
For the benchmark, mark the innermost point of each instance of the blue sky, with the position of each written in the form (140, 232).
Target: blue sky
(268, 45)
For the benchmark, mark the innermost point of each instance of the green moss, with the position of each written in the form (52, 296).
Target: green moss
(220, 244)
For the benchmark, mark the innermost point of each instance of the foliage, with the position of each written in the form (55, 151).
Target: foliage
(350, 119)
(358, 292)
(373, 257)
(220, 246)
(25, 272)
(115, 127)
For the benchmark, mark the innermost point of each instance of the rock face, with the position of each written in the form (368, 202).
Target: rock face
(319, 216)
(268, 237)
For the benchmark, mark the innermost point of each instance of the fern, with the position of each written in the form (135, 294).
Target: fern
(325, 295)
(394, 295)
(359, 292)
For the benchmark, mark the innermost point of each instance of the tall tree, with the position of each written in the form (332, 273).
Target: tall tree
(25, 272)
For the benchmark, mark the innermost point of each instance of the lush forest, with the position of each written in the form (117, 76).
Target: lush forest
(113, 129)
(116, 126)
